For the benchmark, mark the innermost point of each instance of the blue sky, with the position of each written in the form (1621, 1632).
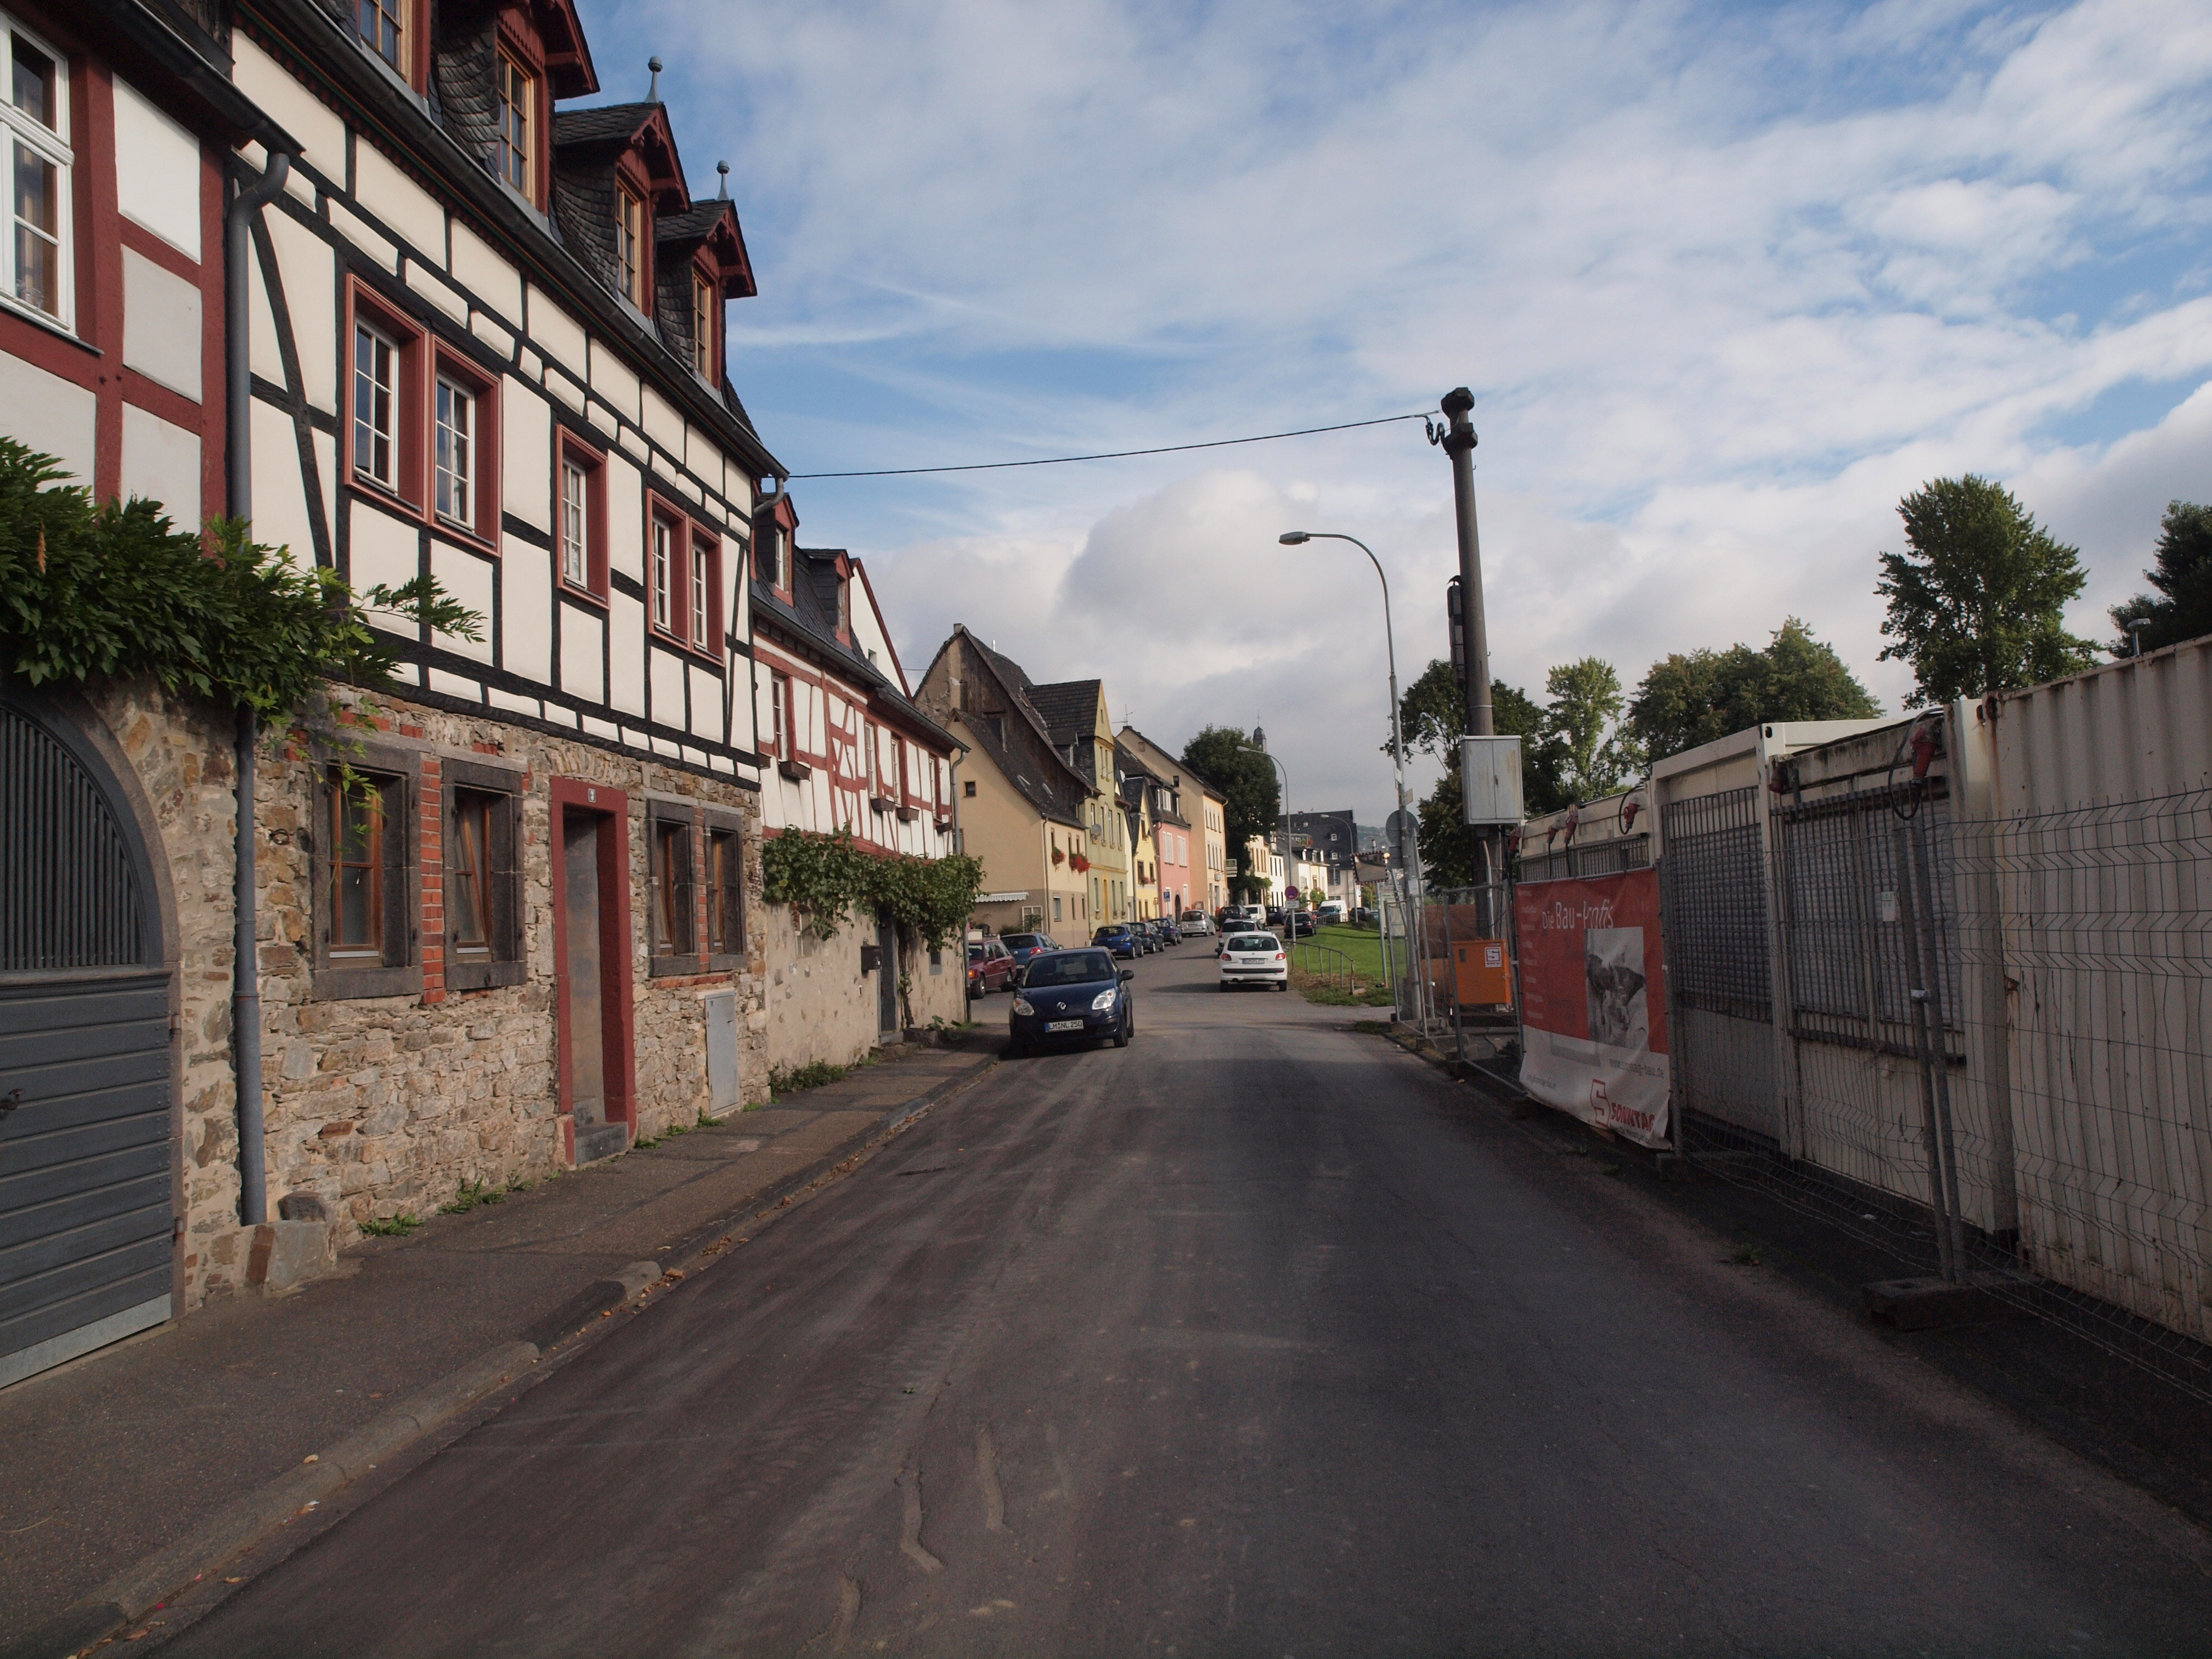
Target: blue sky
(1727, 281)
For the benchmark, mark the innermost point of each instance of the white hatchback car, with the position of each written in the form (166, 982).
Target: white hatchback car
(1254, 959)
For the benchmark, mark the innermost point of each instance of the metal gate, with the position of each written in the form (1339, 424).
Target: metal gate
(1720, 999)
(86, 1193)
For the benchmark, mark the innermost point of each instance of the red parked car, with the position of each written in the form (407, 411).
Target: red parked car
(990, 967)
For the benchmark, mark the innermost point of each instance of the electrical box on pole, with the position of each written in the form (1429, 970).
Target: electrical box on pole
(1454, 608)
(1490, 778)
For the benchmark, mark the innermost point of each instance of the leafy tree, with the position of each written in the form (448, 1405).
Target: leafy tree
(1975, 606)
(1586, 708)
(1431, 716)
(1447, 843)
(1246, 779)
(2183, 577)
(1693, 697)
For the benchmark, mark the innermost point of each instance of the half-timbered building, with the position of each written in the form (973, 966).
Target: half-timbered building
(500, 919)
(847, 751)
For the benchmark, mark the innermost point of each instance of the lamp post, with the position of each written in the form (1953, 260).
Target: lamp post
(1410, 873)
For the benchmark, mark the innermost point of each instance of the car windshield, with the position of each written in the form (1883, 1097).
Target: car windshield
(1023, 941)
(1072, 968)
(1255, 942)
(1108, 932)
(974, 953)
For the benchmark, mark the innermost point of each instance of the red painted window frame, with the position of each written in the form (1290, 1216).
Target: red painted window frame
(364, 304)
(446, 362)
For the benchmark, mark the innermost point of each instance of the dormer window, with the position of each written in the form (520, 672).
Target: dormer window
(380, 24)
(629, 245)
(703, 324)
(771, 556)
(844, 605)
(518, 102)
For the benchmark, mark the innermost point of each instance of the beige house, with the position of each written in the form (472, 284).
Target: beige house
(1024, 809)
(1199, 813)
(1074, 715)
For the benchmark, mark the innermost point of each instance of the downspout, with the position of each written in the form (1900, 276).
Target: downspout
(238, 463)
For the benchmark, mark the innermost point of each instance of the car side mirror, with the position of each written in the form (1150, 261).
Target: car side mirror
(1128, 973)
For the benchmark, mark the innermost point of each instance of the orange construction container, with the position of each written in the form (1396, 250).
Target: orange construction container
(1482, 974)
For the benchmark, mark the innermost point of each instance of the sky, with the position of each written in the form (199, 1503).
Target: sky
(1726, 281)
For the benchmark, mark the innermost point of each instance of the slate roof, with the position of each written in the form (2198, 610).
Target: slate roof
(812, 615)
(1038, 792)
(602, 123)
(1069, 708)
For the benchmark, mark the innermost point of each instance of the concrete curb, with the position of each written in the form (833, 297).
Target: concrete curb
(231, 1531)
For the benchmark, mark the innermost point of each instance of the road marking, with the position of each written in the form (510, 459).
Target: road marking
(987, 1466)
(910, 1533)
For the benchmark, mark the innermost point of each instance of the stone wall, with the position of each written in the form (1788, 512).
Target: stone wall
(818, 1004)
(387, 1106)
(182, 754)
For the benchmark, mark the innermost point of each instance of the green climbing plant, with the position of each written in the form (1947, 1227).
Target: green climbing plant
(115, 588)
(824, 878)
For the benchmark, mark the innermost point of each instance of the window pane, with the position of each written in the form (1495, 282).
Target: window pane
(573, 565)
(469, 892)
(37, 225)
(373, 405)
(517, 93)
(356, 870)
(33, 90)
(702, 325)
(379, 21)
(700, 609)
(456, 457)
(663, 574)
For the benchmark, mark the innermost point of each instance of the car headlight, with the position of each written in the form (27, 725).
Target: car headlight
(1101, 1002)
(1022, 1006)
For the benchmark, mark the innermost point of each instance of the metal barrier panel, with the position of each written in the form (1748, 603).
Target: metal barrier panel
(1712, 884)
(2106, 932)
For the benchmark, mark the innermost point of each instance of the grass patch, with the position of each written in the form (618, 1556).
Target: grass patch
(1372, 1027)
(397, 1226)
(472, 1193)
(1326, 996)
(786, 1080)
(1746, 1256)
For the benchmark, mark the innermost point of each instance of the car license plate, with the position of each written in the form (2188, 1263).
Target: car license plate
(1064, 1025)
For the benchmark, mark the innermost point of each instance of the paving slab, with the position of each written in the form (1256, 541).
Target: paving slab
(119, 1455)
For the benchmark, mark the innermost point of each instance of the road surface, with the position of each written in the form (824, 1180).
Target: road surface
(1260, 1337)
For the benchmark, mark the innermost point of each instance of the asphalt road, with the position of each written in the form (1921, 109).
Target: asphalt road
(1260, 1337)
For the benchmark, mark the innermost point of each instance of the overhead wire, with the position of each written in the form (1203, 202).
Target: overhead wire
(1107, 455)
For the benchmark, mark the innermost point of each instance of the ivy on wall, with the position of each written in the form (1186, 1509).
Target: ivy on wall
(115, 589)
(826, 877)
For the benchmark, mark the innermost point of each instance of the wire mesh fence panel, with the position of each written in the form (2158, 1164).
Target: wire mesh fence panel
(2107, 942)
(1713, 886)
(2067, 963)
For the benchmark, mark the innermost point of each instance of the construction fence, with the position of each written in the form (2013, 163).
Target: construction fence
(1947, 983)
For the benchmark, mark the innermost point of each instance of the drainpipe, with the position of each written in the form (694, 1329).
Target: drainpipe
(238, 461)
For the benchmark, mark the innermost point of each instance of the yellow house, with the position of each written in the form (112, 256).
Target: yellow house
(1023, 809)
(1201, 811)
(1074, 714)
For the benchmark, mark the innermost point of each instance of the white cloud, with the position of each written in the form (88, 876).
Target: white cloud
(1727, 283)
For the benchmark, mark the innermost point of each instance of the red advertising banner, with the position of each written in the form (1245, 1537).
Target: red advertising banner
(1594, 1000)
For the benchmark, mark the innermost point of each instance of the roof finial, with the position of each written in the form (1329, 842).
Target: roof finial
(653, 92)
(723, 167)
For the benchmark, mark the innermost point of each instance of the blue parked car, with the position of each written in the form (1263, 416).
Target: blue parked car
(1119, 938)
(1022, 947)
(1072, 996)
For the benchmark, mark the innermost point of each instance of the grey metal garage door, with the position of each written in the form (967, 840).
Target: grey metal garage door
(85, 1206)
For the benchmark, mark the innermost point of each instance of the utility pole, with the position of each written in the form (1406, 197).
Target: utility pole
(1458, 441)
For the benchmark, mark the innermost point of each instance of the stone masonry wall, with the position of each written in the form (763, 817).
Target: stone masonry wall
(182, 754)
(388, 1106)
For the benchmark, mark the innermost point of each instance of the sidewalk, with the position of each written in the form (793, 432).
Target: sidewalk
(131, 1465)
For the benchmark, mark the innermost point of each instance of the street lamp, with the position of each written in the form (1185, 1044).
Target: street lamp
(1412, 870)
